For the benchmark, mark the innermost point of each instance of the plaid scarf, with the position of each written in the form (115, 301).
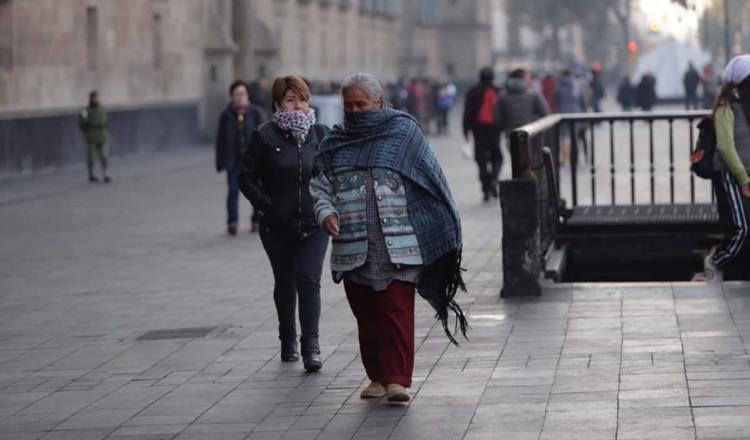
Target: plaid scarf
(298, 123)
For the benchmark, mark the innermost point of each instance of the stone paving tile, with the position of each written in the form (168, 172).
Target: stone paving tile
(78, 434)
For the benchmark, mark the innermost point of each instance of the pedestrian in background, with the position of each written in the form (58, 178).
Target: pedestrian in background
(691, 81)
(709, 82)
(570, 98)
(260, 91)
(415, 100)
(446, 99)
(645, 92)
(520, 104)
(626, 94)
(480, 119)
(93, 124)
(429, 107)
(597, 87)
(398, 94)
(382, 196)
(276, 171)
(731, 117)
(236, 124)
(549, 85)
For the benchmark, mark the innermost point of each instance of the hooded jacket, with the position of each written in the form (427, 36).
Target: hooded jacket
(569, 97)
(519, 105)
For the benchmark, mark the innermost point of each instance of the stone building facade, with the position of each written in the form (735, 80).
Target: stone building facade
(163, 66)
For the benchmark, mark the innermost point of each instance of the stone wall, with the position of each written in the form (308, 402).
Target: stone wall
(131, 53)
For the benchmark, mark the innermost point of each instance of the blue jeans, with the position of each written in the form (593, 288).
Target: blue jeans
(233, 175)
(297, 265)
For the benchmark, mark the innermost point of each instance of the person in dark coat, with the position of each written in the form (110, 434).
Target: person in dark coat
(626, 95)
(645, 93)
(691, 81)
(236, 123)
(597, 87)
(480, 120)
(275, 177)
(519, 104)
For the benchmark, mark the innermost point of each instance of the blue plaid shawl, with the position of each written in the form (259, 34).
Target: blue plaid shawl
(394, 140)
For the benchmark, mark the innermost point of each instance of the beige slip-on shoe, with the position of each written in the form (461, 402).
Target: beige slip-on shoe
(372, 391)
(396, 393)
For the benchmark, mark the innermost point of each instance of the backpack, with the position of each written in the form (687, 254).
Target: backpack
(702, 157)
(486, 114)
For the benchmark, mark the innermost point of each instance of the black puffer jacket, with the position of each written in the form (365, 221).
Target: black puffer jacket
(276, 176)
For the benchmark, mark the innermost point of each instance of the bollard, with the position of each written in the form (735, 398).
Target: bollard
(521, 237)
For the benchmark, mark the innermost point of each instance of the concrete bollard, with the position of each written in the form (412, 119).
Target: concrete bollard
(521, 238)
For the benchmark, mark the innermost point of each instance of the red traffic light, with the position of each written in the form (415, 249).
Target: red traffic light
(632, 46)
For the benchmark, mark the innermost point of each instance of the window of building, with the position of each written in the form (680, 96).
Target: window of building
(158, 43)
(394, 7)
(428, 12)
(345, 4)
(92, 38)
(6, 36)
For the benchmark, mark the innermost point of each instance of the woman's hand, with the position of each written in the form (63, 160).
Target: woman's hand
(746, 190)
(331, 225)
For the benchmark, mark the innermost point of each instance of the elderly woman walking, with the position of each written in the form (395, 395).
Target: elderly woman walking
(381, 194)
(275, 177)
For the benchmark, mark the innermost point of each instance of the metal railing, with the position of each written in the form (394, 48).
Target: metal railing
(615, 159)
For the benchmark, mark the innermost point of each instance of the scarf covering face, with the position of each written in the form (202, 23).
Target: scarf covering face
(391, 139)
(298, 123)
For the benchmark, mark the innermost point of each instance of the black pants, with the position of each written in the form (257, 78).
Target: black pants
(734, 214)
(488, 156)
(297, 265)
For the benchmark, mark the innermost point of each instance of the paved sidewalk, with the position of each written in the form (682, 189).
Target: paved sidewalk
(86, 272)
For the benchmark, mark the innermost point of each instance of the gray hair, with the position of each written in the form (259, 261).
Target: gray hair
(365, 82)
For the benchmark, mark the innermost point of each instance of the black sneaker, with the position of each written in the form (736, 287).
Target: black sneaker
(93, 179)
(107, 179)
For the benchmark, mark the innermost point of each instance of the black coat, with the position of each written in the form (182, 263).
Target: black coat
(228, 151)
(275, 177)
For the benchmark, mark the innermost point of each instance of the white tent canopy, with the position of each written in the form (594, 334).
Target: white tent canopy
(668, 63)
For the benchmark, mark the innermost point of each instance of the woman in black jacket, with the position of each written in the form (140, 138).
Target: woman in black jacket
(276, 171)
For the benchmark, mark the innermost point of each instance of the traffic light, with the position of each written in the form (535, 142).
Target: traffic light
(632, 46)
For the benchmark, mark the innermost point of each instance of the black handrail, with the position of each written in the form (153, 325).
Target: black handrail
(528, 160)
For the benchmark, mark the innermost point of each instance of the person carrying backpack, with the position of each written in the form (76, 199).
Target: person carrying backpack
(480, 119)
(731, 118)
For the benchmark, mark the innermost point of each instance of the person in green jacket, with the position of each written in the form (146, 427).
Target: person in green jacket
(732, 163)
(93, 123)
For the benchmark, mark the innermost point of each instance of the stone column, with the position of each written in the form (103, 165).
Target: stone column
(218, 71)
